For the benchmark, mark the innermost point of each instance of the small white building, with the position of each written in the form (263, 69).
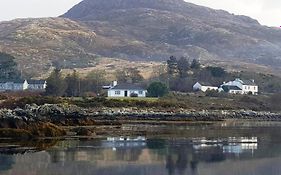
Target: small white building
(125, 90)
(37, 85)
(200, 87)
(13, 85)
(239, 86)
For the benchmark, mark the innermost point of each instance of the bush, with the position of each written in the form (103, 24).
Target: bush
(212, 93)
(157, 89)
(134, 95)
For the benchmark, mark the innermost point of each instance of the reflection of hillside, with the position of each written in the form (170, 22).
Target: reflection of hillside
(256, 152)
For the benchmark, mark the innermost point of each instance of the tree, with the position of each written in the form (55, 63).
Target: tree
(217, 71)
(195, 64)
(172, 64)
(94, 81)
(157, 89)
(8, 67)
(73, 84)
(56, 85)
(129, 75)
(183, 67)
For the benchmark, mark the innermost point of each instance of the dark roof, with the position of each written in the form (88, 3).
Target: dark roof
(127, 87)
(36, 81)
(249, 82)
(246, 82)
(206, 84)
(13, 81)
(227, 88)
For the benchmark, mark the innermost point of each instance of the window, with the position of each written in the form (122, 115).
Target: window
(141, 92)
(117, 92)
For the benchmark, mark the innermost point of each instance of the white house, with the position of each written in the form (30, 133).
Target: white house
(230, 89)
(14, 85)
(37, 85)
(200, 87)
(125, 90)
(239, 86)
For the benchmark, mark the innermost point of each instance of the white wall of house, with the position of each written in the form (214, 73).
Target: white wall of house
(249, 88)
(37, 86)
(11, 86)
(235, 92)
(121, 93)
(245, 88)
(208, 88)
(199, 87)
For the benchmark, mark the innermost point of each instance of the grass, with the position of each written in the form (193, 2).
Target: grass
(172, 101)
(148, 99)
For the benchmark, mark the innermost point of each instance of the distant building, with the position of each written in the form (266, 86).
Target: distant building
(231, 89)
(37, 85)
(125, 90)
(13, 85)
(203, 87)
(239, 86)
(22, 85)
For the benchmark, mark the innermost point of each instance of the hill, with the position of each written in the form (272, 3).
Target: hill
(139, 30)
(40, 44)
(156, 29)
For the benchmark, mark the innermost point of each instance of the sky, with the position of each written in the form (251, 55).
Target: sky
(267, 12)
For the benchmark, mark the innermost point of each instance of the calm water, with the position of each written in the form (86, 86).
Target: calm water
(219, 149)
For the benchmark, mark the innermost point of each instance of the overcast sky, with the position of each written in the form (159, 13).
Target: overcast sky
(267, 12)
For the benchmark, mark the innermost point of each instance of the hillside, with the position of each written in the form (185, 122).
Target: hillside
(39, 44)
(156, 29)
(140, 30)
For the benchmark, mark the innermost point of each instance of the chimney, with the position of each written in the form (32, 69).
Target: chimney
(114, 83)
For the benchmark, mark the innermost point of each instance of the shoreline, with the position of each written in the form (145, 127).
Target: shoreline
(50, 120)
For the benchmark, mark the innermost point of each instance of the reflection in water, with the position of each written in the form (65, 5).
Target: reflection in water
(143, 156)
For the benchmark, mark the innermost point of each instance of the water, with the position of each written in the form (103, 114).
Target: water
(198, 149)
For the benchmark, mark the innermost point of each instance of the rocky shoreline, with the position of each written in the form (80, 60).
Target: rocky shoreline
(49, 119)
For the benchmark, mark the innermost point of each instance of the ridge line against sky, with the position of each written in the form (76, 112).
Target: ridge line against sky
(267, 12)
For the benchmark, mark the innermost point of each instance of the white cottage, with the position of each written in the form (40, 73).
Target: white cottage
(125, 90)
(239, 86)
(200, 87)
(37, 85)
(13, 85)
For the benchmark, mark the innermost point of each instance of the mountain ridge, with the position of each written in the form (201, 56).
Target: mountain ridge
(138, 30)
(178, 24)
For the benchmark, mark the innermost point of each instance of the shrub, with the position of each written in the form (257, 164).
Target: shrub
(157, 89)
(212, 93)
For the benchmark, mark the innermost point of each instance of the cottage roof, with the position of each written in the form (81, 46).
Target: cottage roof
(127, 87)
(247, 82)
(227, 88)
(12, 81)
(36, 81)
(206, 84)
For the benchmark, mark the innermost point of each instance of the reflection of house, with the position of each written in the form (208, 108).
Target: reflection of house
(239, 86)
(203, 87)
(125, 90)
